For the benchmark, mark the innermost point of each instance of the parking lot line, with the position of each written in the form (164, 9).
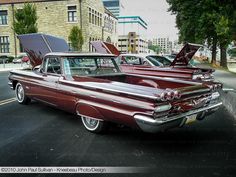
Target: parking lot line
(6, 101)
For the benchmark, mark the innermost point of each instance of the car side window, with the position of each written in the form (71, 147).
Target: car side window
(132, 60)
(166, 62)
(53, 65)
(159, 59)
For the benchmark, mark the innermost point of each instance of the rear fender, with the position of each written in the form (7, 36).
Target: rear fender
(84, 109)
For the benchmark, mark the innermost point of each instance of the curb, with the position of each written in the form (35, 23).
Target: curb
(229, 102)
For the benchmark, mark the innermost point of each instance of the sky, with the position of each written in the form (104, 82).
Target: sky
(160, 22)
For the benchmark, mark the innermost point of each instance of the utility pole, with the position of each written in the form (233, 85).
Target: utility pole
(80, 16)
(13, 20)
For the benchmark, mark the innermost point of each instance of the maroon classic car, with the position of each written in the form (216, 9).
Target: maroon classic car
(91, 86)
(154, 65)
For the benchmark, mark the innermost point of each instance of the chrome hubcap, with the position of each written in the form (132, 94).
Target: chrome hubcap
(89, 123)
(20, 93)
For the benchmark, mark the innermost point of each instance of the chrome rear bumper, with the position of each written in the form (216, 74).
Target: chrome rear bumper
(148, 124)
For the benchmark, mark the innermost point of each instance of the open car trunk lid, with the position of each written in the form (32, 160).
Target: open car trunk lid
(185, 55)
(37, 45)
(105, 47)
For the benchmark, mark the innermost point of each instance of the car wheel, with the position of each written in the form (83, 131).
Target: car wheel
(20, 94)
(93, 125)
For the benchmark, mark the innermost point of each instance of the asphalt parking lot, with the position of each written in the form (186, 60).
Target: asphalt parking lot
(38, 135)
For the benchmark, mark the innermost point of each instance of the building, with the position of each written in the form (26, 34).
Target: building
(114, 6)
(132, 32)
(164, 43)
(132, 43)
(56, 17)
(110, 27)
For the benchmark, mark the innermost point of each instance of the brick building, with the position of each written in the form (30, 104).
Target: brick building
(56, 17)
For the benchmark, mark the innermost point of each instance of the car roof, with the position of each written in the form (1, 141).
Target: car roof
(140, 55)
(73, 54)
(135, 55)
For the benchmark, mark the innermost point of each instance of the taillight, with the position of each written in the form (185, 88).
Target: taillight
(177, 94)
(162, 108)
(170, 94)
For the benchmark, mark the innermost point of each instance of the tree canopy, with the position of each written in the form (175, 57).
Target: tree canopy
(213, 21)
(25, 19)
(155, 48)
(76, 38)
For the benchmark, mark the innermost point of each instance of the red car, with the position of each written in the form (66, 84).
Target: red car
(92, 87)
(25, 59)
(154, 65)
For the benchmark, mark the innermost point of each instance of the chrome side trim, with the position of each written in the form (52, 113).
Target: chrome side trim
(81, 115)
(107, 89)
(151, 121)
(168, 79)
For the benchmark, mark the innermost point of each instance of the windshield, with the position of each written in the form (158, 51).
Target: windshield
(159, 60)
(85, 66)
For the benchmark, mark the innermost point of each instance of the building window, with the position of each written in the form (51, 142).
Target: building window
(3, 17)
(90, 16)
(95, 17)
(4, 44)
(100, 20)
(72, 14)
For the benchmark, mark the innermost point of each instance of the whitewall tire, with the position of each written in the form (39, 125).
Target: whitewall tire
(20, 94)
(93, 125)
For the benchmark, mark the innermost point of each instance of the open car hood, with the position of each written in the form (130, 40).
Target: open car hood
(37, 45)
(105, 48)
(185, 55)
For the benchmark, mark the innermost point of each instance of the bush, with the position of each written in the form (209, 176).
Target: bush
(10, 58)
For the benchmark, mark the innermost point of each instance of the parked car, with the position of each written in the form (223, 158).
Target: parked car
(170, 57)
(154, 65)
(144, 59)
(92, 86)
(25, 59)
(4, 59)
(21, 59)
(17, 60)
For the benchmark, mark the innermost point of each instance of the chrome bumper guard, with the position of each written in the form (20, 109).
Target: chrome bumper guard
(148, 124)
(10, 84)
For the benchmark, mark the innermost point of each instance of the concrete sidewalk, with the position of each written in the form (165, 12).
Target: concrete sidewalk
(11, 66)
(232, 70)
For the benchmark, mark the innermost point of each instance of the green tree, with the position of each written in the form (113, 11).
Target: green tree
(225, 27)
(25, 19)
(194, 19)
(76, 38)
(155, 48)
(213, 21)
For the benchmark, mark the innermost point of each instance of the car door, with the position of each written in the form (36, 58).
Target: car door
(51, 74)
